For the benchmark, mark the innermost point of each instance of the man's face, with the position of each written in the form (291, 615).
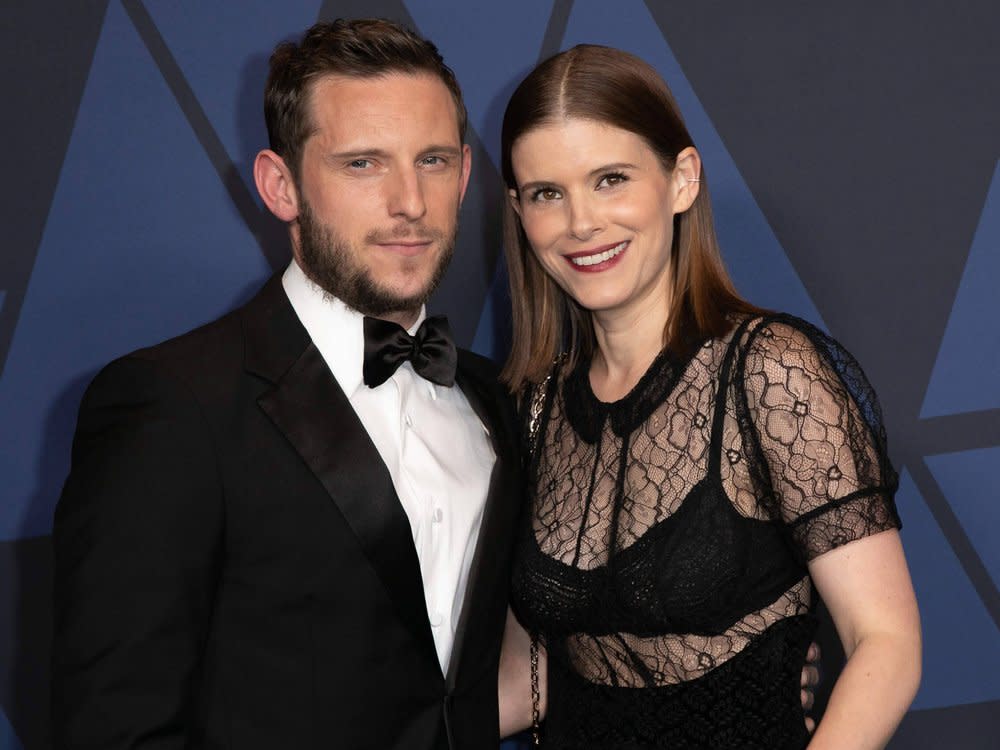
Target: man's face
(381, 181)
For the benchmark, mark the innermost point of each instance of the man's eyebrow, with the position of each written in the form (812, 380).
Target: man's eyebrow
(378, 153)
(446, 150)
(360, 153)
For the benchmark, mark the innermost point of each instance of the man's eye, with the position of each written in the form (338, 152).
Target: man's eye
(432, 161)
(360, 164)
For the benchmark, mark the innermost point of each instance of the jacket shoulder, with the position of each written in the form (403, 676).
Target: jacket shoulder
(479, 366)
(485, 372)
(216, 346)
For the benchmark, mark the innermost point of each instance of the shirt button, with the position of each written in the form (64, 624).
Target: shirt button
(438, 515)
(408, 419)
(437, 620)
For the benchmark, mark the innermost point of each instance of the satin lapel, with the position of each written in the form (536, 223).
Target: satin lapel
(502, 504)
(308, 406)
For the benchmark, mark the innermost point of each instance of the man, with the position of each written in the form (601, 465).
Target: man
(288, 529)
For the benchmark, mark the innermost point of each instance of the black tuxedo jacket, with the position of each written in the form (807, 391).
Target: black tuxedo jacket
(233, 568)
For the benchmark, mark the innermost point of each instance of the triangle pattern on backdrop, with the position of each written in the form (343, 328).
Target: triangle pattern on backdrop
(966, 375)
(111, 191)
(969, 481)
(223, 50)
(8, 740)
(959, 635)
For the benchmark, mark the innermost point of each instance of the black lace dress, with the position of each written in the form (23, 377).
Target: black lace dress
(663, 561)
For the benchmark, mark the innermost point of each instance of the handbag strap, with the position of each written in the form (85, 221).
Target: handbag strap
(537, 402)
(536, 695)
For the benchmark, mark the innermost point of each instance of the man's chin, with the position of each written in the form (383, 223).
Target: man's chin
(380, 299)
(406, 287)
(397, 300)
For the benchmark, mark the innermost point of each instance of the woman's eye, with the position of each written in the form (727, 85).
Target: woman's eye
(545, 194)
(611, 180)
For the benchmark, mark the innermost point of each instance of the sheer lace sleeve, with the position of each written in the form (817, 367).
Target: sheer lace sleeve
(813, 426)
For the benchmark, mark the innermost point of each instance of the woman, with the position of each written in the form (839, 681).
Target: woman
(699, 467)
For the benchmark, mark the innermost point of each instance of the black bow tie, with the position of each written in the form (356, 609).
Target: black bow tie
(388, 345)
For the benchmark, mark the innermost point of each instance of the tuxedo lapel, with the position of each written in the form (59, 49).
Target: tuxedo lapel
(306, 404)
(502, 504)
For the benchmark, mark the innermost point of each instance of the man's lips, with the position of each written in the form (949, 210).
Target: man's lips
(405, 247)
(597, 258)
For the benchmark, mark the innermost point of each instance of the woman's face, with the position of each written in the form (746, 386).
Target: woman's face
(598, 208)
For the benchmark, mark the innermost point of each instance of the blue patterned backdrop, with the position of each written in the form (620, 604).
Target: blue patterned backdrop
(852, 150)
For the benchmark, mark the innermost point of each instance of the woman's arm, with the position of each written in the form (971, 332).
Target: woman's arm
(866, 587)
(515, 678)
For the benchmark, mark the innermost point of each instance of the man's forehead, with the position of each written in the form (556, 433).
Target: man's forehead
(383, 93)
(390, 105)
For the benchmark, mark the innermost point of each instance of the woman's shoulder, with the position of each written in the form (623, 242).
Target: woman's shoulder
(786, 340)
(775, 329)
(782, 347)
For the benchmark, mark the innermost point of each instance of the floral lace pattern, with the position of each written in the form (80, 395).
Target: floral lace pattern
(669, 531)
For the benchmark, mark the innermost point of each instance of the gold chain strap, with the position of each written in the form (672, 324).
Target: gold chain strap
(536, 695)
(536, 404)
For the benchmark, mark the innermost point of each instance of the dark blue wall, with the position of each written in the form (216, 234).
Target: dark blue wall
(852, 151)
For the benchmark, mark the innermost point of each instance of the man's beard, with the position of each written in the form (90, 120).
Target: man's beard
(328, 261)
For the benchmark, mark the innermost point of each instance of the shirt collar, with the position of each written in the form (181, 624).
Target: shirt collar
(336, 329)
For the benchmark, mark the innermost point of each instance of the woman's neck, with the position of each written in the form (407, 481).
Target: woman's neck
(627, 344)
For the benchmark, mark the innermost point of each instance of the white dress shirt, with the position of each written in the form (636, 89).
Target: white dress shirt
(436, 449)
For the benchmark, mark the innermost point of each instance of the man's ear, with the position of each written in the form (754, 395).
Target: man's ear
(466, 170)
(686, 179)
(275, 185)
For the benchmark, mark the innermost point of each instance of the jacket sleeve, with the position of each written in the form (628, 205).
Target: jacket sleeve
(137, 539)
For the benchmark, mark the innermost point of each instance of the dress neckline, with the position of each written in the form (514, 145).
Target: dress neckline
(587, 414)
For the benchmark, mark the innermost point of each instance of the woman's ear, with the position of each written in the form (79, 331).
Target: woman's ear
(686, 179)
(515, 202)
(275, 185)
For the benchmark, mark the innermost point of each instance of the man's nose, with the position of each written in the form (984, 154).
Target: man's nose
(405, 197)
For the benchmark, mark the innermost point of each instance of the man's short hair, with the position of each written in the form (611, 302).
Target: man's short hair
(360, 48)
